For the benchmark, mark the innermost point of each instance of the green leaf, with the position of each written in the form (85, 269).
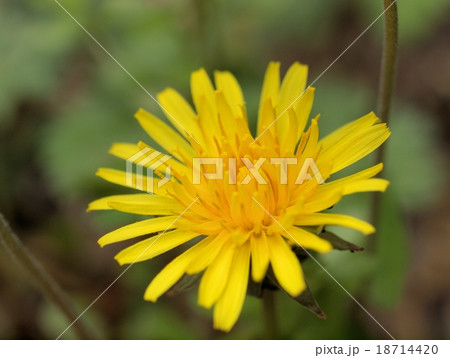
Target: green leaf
(338, 243)
(185, 283)
(306, 298)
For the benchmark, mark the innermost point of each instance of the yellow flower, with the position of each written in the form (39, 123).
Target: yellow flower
(261, 206)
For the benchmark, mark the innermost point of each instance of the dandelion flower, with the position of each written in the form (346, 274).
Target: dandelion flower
(245, 218)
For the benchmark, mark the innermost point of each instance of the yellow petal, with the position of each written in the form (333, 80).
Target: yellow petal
(228, 123)
(209, 123)
(257, 213)
(334, 137)
(323, 198)
(352, 142)
(170, 274)
(143, 204)
(215, 277)
(121, 178)
(139, 228)
(335, 219)
(160, 163)
(364, 174)
(179, 112)
(308, 240)
(167, 277)
(157, 205)
(303, 109)
(374, 184)
(228, 84)
(269, 139)
(311, 147)
(291, 90)
(286, 266)
(165, 136)
(208, 253)
(201, 87)
(360, 147)
(229, 306)
(269, 92)
(124, 150)
(102, 204)
(260, 257)
(291, 138)
(154, 246)
(130, 152)
(293, 85)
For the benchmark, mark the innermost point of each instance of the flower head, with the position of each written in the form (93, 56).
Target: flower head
(239, 202)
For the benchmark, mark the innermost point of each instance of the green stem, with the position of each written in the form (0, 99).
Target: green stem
(386, 82)
(270, 316)
(48, 286)
(389, 60)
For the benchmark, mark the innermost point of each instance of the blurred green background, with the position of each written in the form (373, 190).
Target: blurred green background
(63, 102)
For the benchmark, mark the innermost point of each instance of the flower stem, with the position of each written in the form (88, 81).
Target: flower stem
(389, 60)
(386, 83)
(270, 316)
(48, 286)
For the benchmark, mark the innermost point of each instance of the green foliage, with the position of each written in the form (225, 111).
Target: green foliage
(33, 56)
(88, 103)
(392, 253)
(83, 135)
(53, 323)
(413, 164)
(156, 321)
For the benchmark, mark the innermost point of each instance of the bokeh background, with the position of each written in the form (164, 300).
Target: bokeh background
(63, 102)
